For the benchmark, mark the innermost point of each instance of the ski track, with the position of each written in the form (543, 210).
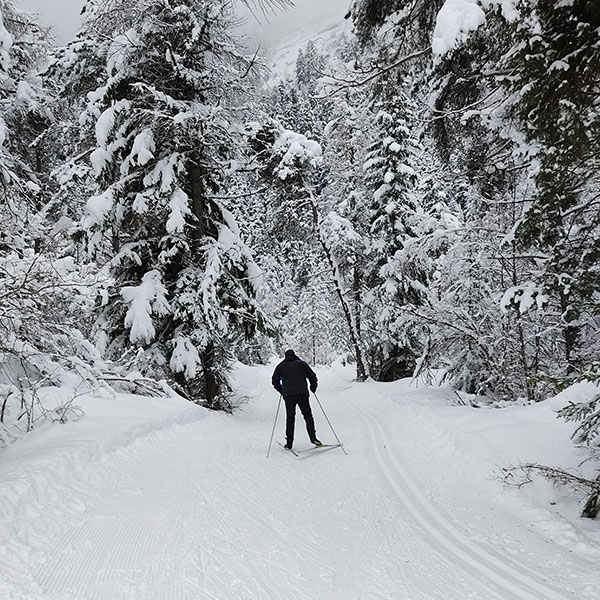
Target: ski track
(509, 580)
(196, 512)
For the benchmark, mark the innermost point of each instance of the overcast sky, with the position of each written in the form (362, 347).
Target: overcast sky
(63, 16)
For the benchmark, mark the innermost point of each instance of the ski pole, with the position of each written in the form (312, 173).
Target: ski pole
(274, 425)
(330, 425)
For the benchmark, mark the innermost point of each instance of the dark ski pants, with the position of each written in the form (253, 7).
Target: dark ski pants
(290, 409)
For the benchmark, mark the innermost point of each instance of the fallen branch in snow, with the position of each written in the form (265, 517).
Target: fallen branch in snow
(463, 402)
(521, 475)
(152, 388)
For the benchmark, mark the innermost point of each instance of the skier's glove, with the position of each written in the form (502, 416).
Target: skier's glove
(313, 388)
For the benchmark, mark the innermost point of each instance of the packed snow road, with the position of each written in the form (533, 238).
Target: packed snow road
(196, 511)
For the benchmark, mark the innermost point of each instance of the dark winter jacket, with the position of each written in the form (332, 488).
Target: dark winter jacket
(289, 377)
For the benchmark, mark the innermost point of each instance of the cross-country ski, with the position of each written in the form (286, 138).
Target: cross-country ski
(322, 447)
(290, 450)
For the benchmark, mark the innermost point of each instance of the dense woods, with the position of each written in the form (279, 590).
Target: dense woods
(421, 198)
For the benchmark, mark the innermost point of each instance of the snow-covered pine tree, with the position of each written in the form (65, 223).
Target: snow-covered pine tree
(409, 20)
(309, 67)
(554, 81)
(167, 132)
(586, 415)
(390, 176)
(73, 71)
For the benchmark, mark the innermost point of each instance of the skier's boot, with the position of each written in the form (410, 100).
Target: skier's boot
(288, 445)
(316, 442)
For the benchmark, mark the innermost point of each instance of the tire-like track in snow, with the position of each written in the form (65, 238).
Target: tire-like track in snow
(509, 581)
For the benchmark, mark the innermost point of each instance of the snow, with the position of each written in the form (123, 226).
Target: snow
(406, 170)
(51, 479)
(163, 172)
(3, 132)
(229, 236)
(338, 228)
(295, 149)
(99, 157)
(105, 124)
(98, 207)
(143, 149)
(6, 43)
(26, 96)
(118, 51)
(559, 65)
(508, 7)
(185, 358)
(154, 498)
(179, 205)
(140, 203)
(144, 300)
(525, 296)
(455, 20)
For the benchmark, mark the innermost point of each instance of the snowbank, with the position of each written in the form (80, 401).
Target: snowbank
(462, 447)
(50, 477)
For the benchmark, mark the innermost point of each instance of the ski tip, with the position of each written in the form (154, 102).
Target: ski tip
(290, 450)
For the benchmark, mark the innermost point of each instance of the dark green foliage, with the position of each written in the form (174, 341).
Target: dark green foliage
(165, 134)
(390, 179)
(554, 71)
(587, 414)
(416, 21)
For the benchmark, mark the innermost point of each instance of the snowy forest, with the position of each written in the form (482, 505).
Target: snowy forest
(420, 197)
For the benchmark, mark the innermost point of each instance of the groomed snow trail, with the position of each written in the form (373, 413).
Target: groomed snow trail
(196, 511)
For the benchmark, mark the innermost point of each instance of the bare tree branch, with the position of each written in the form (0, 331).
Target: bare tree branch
(353, 83)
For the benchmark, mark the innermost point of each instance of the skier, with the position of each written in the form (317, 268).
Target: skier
(289, 379)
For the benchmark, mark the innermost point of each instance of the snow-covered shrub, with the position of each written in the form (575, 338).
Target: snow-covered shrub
(45, 318)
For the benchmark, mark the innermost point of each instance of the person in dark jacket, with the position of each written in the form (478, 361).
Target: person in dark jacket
(289, 379)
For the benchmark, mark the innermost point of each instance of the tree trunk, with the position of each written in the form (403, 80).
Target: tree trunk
(523, 358)
(361, 371)
(570, 332)
(208, 372)
(198, 198)
(592, 506)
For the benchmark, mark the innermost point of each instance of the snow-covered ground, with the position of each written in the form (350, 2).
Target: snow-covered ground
(159, 499)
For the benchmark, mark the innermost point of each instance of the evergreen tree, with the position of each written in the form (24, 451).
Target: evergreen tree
(554, 79)
(24, 116)
(405, 21)
(390, 176)
(165, 128)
